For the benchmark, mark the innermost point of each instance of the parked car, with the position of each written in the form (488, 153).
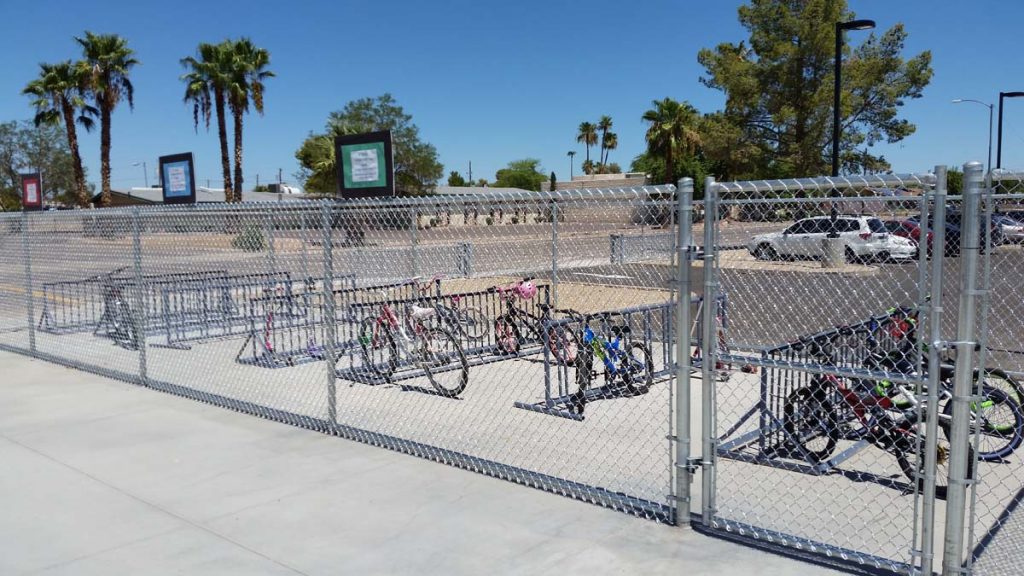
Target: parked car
(1011, 229)
(910, 230)
(865, 238)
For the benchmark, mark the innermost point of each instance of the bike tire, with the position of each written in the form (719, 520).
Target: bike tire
(507, 338)
(1000, 380)
(472, 323)
(442, 355)
(912, 466)
(577, 400)
(637, 372)
(808, 416)
(1002, 428)
(378, 346)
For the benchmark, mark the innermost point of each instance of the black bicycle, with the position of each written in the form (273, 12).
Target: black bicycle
(517, 326)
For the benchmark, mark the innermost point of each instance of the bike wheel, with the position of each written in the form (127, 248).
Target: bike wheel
(125, 332)
(577, 399)
(442, 358)
(506, 335)
(637, 368)
(378, 344)
(472, 323)
(912, 464)
(810, 422)
(998, 420)
(564, 345)
(1000, 380)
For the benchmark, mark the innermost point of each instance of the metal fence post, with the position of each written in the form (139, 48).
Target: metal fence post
(139, 317)
(933, 316)
(271, 256)
(330, 317)
(413, 225)
(554, 253)
(30, 311)
(956, 497)
(708, 356)
(684, 240)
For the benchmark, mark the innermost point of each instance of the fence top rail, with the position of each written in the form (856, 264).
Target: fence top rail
(428, 297)
(827, 183)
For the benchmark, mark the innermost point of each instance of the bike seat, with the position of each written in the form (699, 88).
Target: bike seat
(620, 330)
(544, 307)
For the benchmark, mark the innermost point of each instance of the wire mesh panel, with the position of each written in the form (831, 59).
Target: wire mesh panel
(995, 526)
(15, 287)
(819, 448)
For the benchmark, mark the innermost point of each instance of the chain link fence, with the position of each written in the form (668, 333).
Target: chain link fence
(534, 337)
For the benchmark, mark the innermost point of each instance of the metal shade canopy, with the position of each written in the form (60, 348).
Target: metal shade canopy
(857, 25)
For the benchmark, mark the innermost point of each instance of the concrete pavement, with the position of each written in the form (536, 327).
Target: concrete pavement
(101, 477)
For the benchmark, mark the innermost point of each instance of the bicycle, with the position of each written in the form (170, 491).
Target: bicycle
(387, 341)
(469, 321)
(562, 342)
(831, 408)
(118, 316)
(627, 364)
(996, 416)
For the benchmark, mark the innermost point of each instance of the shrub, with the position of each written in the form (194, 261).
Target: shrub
(250, 239)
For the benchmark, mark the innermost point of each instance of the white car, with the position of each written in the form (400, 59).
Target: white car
(865, 238)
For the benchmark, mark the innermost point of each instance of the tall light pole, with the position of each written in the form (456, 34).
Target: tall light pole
(999, 139)
(840, 28)
(989, 106)
(145, 173)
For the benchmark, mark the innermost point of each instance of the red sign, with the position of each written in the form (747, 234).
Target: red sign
(31, 191)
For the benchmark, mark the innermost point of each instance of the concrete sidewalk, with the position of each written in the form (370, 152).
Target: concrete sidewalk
(101, 477)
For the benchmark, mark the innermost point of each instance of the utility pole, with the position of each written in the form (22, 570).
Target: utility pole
(470, 172)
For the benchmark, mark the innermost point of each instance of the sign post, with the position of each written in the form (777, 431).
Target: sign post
(32, 191)
(366, 167)
(178, 179)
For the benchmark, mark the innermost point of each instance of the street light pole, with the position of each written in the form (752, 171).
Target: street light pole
(145, 173)
(990, 107)
(999, 139)
(840, 28)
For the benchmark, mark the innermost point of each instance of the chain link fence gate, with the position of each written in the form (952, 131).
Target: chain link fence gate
(820, 449)
(313, 313)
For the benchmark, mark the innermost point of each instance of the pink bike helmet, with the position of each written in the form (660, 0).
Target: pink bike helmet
(526, 289)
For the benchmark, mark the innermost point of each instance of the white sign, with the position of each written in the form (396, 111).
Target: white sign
(31, 193)
(176, 174)
(365, 167)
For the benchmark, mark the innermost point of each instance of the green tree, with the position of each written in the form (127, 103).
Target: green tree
(779, 85)
(248, 71)
(604, 124)
(954, 180)
(206, 87)
(456, 179)
(417, 168)
(587, 135)
(587, 166)
(525, 174)
(58, 97)
(554, 183)
(109, 61)
(44, 148)
(671, 133)
(609, 141)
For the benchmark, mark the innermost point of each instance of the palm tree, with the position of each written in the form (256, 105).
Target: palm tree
(604, 125)
(206, 85)
(109, 61)
(609, 141)
(672, 128)
(587, 135)
(59, 96)
(572, 158)
(248, 71)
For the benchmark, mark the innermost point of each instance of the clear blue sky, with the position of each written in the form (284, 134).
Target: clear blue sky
(488, 82)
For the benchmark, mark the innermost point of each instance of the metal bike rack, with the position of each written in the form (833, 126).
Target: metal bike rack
(784, 369)
(477, 353)
(652, 322)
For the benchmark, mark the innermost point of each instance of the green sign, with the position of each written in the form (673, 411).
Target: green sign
(365, 165)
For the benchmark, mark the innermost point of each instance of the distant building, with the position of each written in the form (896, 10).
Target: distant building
(626, 180)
